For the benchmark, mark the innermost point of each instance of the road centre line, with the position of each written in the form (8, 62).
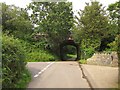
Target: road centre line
(43, 69)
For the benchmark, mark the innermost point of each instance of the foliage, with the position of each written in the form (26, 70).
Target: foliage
(77, 34)
(113, 45)
(15, 21)
(54, 19)
(95, 30)
(91, 29)
(82, 61)
(113, 26)
(40, 56)
(69, 52)
(71, 55)
(24, 80)
(13, 63)
(93, 24)
(36, 54)
(114, 11)
(69, 49)
(88, 52)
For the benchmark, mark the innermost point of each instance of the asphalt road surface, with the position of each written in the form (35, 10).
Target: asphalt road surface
(65, 74)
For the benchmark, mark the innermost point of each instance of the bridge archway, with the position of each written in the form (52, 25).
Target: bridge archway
(72, 43)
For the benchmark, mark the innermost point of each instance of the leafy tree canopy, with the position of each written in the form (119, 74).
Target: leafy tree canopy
(15, 21)
(55, 19)
(93, 24)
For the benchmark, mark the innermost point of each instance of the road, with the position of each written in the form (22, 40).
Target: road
(66, 74)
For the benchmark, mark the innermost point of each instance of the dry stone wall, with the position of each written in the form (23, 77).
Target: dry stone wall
(105, 59)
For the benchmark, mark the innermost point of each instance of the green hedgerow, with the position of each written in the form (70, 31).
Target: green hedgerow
(13, 61)
(35, 54)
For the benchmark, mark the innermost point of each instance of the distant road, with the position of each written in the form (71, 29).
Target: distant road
(65, 74)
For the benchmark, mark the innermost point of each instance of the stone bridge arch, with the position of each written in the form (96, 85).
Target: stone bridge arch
(69, 42)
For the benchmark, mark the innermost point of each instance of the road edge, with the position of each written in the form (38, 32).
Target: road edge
(88, 77)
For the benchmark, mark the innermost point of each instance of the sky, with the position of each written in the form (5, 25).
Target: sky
(77, 4)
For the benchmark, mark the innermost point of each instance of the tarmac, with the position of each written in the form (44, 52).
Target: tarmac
(101, 76)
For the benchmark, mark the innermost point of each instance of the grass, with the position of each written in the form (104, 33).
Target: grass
(40, 56)
(82, 61)
(71, 55)
(24, 80)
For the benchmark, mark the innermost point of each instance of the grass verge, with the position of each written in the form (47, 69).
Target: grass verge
(24, 80)
(82, 61)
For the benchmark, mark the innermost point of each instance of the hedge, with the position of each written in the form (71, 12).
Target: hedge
(13, 61)
(36, 54)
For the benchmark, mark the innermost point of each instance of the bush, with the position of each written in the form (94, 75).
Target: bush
(13, 61)
(36, 54)
(82, 61)
(113, 45)
(87, 53)
(39, 56)
(25, 79)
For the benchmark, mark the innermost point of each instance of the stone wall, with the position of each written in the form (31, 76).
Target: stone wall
(105, 59)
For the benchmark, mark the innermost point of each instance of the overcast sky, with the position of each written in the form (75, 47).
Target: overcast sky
(77, 4)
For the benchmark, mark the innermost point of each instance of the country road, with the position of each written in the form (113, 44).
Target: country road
(66, 74)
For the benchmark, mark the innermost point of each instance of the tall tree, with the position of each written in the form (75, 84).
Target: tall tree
(93, 25)
(114, 15)
(114, 10)
(53, 19)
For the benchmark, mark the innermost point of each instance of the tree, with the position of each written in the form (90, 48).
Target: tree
(114, 10)
(93, 25)
(15, 21)
(53, 19)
